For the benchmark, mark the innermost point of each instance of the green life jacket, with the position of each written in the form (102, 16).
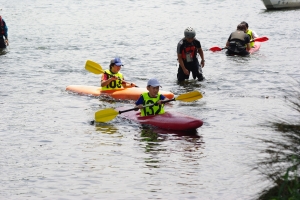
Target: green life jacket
(249, 32)
(152, 110)
(113, 85)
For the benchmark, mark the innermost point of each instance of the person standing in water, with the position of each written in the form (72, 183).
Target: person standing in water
(187, 50)
(3, 33)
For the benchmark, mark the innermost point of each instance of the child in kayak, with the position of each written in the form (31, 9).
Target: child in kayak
(252, 34)
(152, 97)
(113, 79)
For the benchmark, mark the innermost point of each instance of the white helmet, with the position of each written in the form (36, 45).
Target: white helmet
(189, 32)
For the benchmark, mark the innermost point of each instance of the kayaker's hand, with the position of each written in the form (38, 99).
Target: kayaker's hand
(113, 78)
(128, 85)
(202, 63)
(186, 72)
(139, 106)
(159, 102)
(164, 101)
(6, 42)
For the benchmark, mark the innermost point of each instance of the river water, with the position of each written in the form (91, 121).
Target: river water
(49, 149)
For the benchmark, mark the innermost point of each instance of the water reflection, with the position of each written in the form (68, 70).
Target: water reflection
(110, 100)
(189, 85)
(153, 134)
(157, 143)
(240, 59)
(106, 128)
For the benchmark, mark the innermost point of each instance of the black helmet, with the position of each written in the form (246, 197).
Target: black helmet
(189, 32)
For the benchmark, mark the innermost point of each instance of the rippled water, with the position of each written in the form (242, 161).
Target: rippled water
(48, 147)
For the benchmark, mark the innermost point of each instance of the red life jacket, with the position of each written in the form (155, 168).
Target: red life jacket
(188, 48)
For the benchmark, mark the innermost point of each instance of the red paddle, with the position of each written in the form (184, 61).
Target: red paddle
(213, 49)
(259, 39)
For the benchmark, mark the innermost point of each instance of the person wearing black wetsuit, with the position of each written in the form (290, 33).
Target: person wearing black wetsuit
(187, 50)
(238, 42)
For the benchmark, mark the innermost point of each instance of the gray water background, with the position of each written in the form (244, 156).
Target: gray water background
(49, 150)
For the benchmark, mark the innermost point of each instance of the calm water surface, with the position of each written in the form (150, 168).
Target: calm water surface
(48, 148)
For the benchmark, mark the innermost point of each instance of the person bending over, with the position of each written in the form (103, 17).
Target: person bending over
(238, 42)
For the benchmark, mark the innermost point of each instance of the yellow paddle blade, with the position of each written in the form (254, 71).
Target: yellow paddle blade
(190, 96)
(105, 115)
(93, 67)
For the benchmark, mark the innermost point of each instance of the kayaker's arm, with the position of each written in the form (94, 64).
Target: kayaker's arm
(179, 56)
(247, 40)
(248, 47)
(227, 44)
(139, 103)
(107, 81)
(200, 51)
(160, 102)
(141, 106)
(128, 85)
(254, 34)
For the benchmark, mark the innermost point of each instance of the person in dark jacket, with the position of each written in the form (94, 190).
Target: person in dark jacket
(238, 42)
(187, 50)
(3, 33)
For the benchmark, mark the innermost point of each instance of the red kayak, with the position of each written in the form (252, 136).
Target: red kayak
(255, 48)
(169, 120)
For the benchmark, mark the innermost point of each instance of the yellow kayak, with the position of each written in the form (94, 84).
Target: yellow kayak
(124, 94)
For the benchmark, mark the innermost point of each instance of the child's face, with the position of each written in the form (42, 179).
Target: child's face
(153, 91)
(115, 69)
